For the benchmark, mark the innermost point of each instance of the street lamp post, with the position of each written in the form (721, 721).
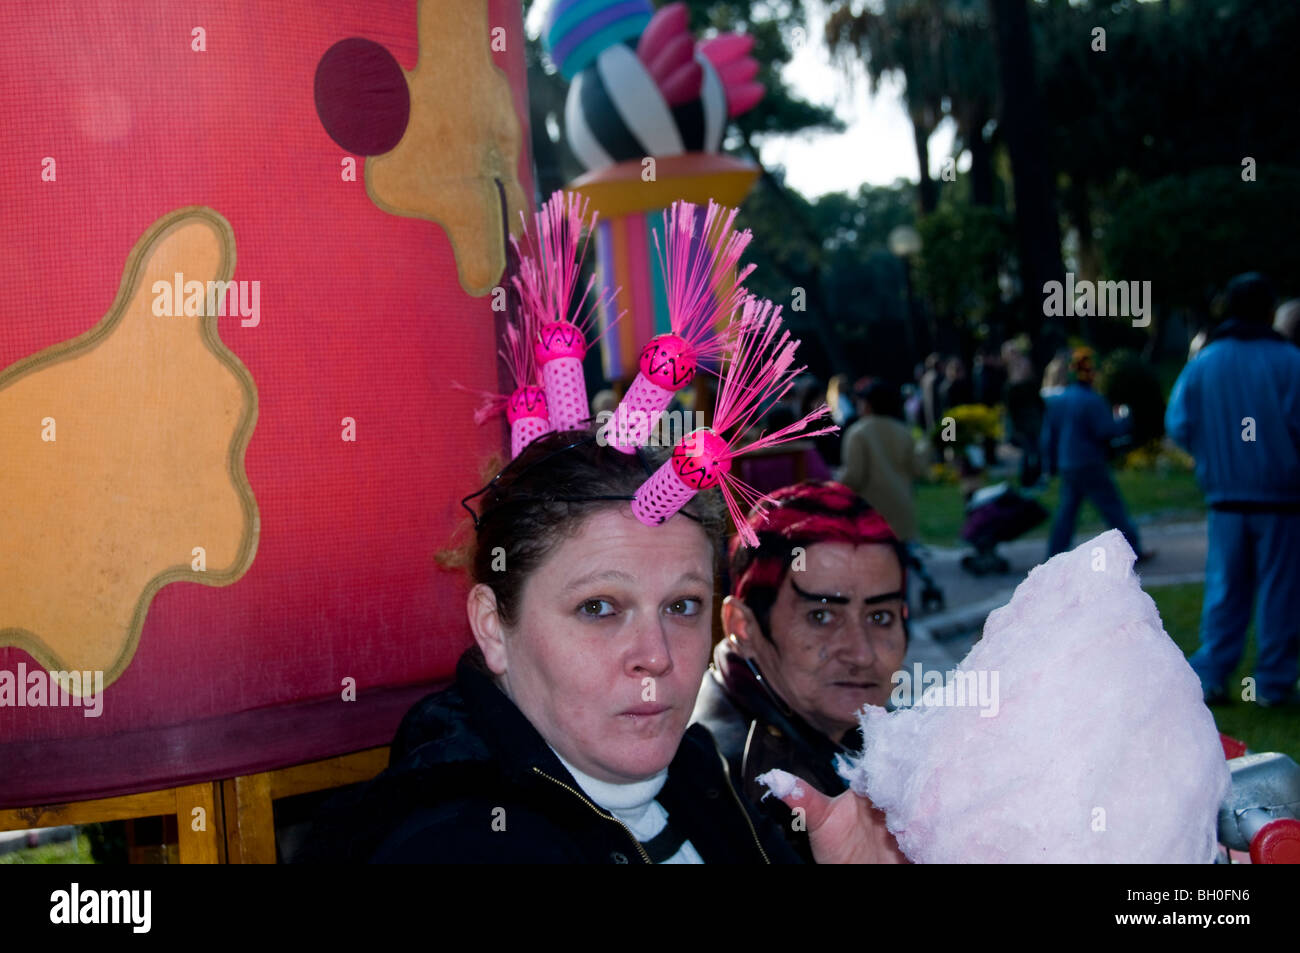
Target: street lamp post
(904, 243)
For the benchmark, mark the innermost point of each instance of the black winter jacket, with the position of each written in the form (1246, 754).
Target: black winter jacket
(471, 781)
(757, 731)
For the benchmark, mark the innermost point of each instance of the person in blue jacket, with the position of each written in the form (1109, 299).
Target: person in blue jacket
(1078, 426)
(1236, 408)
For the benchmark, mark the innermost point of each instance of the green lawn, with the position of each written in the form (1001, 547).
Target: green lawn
(1149, 495)
(1263, 729)
(64, 852)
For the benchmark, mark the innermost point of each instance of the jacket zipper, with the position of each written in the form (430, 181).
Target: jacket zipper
(599, 813)
(726, 780)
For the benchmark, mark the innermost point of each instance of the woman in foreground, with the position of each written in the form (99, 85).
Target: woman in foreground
(565, 738)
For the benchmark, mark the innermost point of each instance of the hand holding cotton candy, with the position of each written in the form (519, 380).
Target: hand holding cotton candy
(1101, 750)
(841, 830)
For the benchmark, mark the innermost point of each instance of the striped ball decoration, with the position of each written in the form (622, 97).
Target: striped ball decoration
(615, 112)
(576, 31)
(640, 84)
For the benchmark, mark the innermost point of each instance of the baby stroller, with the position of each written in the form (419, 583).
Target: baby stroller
(996, 514)
(932, 599)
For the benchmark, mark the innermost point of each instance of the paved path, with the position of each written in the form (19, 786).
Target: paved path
(940, 640)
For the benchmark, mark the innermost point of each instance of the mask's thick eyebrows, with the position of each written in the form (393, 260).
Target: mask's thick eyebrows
(818, 597)
(883, 597)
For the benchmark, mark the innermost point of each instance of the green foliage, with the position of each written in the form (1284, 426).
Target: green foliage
(1188, 234)
(834, 249)
(963, 247)
(1179, 86)
(1124, 378)
(76, 851)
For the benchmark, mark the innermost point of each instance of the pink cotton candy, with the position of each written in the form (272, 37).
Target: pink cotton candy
(1100, 751)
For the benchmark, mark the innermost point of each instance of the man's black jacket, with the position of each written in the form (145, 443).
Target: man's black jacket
(757, 732)
(471, 781)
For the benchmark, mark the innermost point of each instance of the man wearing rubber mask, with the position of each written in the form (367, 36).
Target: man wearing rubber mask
(814, 628)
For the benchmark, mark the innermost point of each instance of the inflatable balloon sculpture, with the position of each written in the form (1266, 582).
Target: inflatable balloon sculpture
(645, 114)
(247, 247)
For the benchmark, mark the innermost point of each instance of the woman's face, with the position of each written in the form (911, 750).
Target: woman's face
(838, 631)
(611, 641)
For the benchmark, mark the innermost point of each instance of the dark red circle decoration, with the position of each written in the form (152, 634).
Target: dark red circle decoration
(361, 96)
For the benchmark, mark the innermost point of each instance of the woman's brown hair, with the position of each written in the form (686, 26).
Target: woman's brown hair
(545, 495)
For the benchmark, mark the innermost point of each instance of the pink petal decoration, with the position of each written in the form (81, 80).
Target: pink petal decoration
(737, 72)
(741, 99)
(683, 85)
(727, 47)
(668, 22)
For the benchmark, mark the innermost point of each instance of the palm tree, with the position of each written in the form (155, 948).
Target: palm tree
(942, 52)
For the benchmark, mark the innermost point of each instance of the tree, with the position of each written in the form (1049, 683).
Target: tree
(1038, 231)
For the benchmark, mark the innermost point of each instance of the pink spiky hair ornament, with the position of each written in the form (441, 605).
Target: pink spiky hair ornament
(703, 277)
(550, 265)
(758, 372)
(704, 287)
(525, 405)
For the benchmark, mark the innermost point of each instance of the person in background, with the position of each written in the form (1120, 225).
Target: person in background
(1024, 410)
(1078, 427)
(1236, 409)
(880, 460)
(1056, 375)
(956, 388)
(791, 463)
(929, 382)
(990, 376)
(816, 626)
(1287, 321)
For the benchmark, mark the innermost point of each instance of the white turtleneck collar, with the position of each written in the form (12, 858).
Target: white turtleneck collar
(631, 798)
(634, 804)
